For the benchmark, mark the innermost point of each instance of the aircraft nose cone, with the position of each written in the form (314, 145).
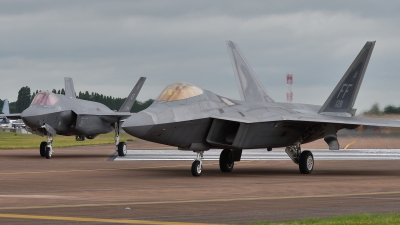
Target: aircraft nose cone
(138, 124)
(32, 117)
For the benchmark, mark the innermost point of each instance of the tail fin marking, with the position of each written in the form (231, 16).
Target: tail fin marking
(343, 97)
(130, 100)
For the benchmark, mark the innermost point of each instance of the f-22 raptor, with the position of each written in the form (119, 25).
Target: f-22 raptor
(50, 114)
(196, 119)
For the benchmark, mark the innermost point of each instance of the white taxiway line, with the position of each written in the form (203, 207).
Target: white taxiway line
(262, 154)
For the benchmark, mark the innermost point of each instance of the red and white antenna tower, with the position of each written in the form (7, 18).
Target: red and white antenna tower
(289, 82)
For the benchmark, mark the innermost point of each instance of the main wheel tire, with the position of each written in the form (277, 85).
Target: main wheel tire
(196, 168)
(122, 149)
(48, 152)
(226, 161)
(42, 148)
(306, 162)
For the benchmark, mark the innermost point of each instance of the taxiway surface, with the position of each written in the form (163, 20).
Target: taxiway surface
(81, 184)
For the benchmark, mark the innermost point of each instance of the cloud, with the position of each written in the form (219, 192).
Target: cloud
(106, 46)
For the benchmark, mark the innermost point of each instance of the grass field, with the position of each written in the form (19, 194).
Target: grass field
(361, 219)
(10, 140)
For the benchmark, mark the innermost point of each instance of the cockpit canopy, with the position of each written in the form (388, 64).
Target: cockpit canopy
(45, 98)
(179, 91)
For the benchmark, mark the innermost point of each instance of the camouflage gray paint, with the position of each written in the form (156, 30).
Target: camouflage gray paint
(50, 114)
(211, 121)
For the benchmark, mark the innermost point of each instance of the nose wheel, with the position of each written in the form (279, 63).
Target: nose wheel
(197, 166)
(43, 149)
(120, 147)
(46, 148)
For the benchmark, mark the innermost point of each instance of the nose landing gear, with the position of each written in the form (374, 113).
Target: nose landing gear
(49, 147)
(197, 166)
(120, 147)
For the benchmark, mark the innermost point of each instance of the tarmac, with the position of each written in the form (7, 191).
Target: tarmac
(90, 185)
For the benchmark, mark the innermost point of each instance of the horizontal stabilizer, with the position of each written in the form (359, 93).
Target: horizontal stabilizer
(130, 100)
(69, 87)
(250, 88)
(343, 97)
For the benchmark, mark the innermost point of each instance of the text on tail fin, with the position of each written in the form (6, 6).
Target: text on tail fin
(343, 97)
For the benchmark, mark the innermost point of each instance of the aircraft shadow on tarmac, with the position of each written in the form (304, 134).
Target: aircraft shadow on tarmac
(103, 156)
(213, 171)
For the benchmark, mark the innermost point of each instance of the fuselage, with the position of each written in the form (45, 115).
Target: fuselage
(67, 116)
(209, 121)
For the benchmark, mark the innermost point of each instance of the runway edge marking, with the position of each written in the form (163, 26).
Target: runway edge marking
(86, 219)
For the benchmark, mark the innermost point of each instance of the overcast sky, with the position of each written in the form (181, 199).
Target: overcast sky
(105, 46)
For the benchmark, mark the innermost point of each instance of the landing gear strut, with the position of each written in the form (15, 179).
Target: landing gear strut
(197, 166)
(120, 147)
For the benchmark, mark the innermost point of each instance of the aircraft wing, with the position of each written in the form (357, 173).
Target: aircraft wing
(355, 120)
(108, 117)
(12, 115)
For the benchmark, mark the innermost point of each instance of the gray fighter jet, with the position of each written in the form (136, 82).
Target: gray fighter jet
(195, 119)
(50, 114)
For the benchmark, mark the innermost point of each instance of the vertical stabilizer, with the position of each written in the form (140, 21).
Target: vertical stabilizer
(343, 97)
(69, 87)
(130, 100)
(250, 88)
(6, 107)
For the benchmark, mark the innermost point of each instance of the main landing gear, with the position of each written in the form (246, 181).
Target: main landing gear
(120, 147)
(46, 148)
(304, 159)
(226, 161)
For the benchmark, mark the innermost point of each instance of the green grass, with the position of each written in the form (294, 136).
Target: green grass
(10, 140)
(345, 220)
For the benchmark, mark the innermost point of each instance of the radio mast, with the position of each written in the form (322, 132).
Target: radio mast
(289, 82)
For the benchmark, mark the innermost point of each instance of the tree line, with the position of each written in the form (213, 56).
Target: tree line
(25, 98)
(387, 110)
